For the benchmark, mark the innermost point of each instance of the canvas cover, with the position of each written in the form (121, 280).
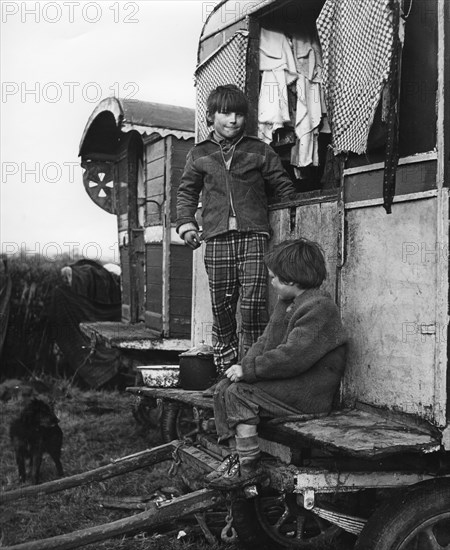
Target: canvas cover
(94, 295)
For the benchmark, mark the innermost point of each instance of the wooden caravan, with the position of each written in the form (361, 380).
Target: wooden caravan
(383, 225)
(133, 153)
(374, 194)
(374, 474)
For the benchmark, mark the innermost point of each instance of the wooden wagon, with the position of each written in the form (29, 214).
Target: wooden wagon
(375, 473)
(378, 467)
(133, 153)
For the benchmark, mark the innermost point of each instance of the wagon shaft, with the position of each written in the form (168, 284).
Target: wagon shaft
(195, 502)
(117, 467)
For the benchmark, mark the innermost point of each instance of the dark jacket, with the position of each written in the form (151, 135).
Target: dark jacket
(254, 164)
(300, 357)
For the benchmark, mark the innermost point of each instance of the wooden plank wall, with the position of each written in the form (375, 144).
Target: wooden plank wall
(318, 222)
(121, 192)
(388, 304)
(202, 319)
(155, 180)
(411, 178)
(180, 148)
(125, 277)
(180, 291)
(154, 290)
(180, 282)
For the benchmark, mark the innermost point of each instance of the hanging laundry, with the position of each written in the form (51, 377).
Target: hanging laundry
(357, 41)
(310, 106)
(278, 68)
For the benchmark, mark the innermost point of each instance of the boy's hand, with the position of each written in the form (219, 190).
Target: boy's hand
(191, 239)
(235, 373)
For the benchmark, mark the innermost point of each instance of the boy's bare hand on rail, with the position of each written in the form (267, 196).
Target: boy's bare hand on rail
(192, 239)
(234, 373)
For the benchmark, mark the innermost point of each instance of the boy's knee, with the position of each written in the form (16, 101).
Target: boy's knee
(221, 386)
(235, 392)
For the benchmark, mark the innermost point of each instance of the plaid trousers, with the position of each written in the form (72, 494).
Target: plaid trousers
(235, 267)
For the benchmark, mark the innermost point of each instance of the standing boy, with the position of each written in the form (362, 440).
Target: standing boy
(294, 368)
(230, 171)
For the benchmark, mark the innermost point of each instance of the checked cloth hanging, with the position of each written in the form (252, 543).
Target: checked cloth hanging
(357, 38)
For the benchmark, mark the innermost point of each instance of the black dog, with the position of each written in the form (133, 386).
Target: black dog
(34, 432)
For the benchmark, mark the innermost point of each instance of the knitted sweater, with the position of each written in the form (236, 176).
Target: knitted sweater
(300, 357)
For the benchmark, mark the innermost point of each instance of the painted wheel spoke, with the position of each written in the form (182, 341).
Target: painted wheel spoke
(432, 534)
(282, 518)
(290, 525)
(428, 539)
(300, 524)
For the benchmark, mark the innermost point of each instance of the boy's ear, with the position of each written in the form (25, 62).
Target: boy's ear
(209, 118)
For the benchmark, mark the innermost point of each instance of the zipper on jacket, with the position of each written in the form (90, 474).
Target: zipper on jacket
(227, 170)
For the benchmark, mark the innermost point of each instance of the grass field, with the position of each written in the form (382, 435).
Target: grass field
(98, 426)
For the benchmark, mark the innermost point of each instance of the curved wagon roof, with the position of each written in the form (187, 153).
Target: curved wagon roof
(114, 115)
(228, 12)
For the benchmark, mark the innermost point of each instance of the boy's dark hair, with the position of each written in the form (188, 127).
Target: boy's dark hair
(298, 261)
(226, 99)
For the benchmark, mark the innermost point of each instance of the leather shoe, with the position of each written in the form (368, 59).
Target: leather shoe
(243, 472)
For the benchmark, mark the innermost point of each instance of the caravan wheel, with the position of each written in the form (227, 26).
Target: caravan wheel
(177, 421)
(272, 521)
(417, 519)
(143, 410)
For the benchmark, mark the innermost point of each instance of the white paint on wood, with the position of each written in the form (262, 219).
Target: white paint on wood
(441, 301)
(331, 482)
(442, 25)
(123, 238)
(153, 234)
(165, 344)
(394, 267)
(318, 222)
(364, 433)
(397, 198)
(202, 319)
(446, 438)
(122, 222)
(412, 159)
(165, 214)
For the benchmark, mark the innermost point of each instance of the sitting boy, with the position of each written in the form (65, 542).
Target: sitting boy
(293, 368)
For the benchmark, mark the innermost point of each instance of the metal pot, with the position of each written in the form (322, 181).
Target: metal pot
(197, 368)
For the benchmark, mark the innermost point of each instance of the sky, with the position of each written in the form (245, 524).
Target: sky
(58, 61)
